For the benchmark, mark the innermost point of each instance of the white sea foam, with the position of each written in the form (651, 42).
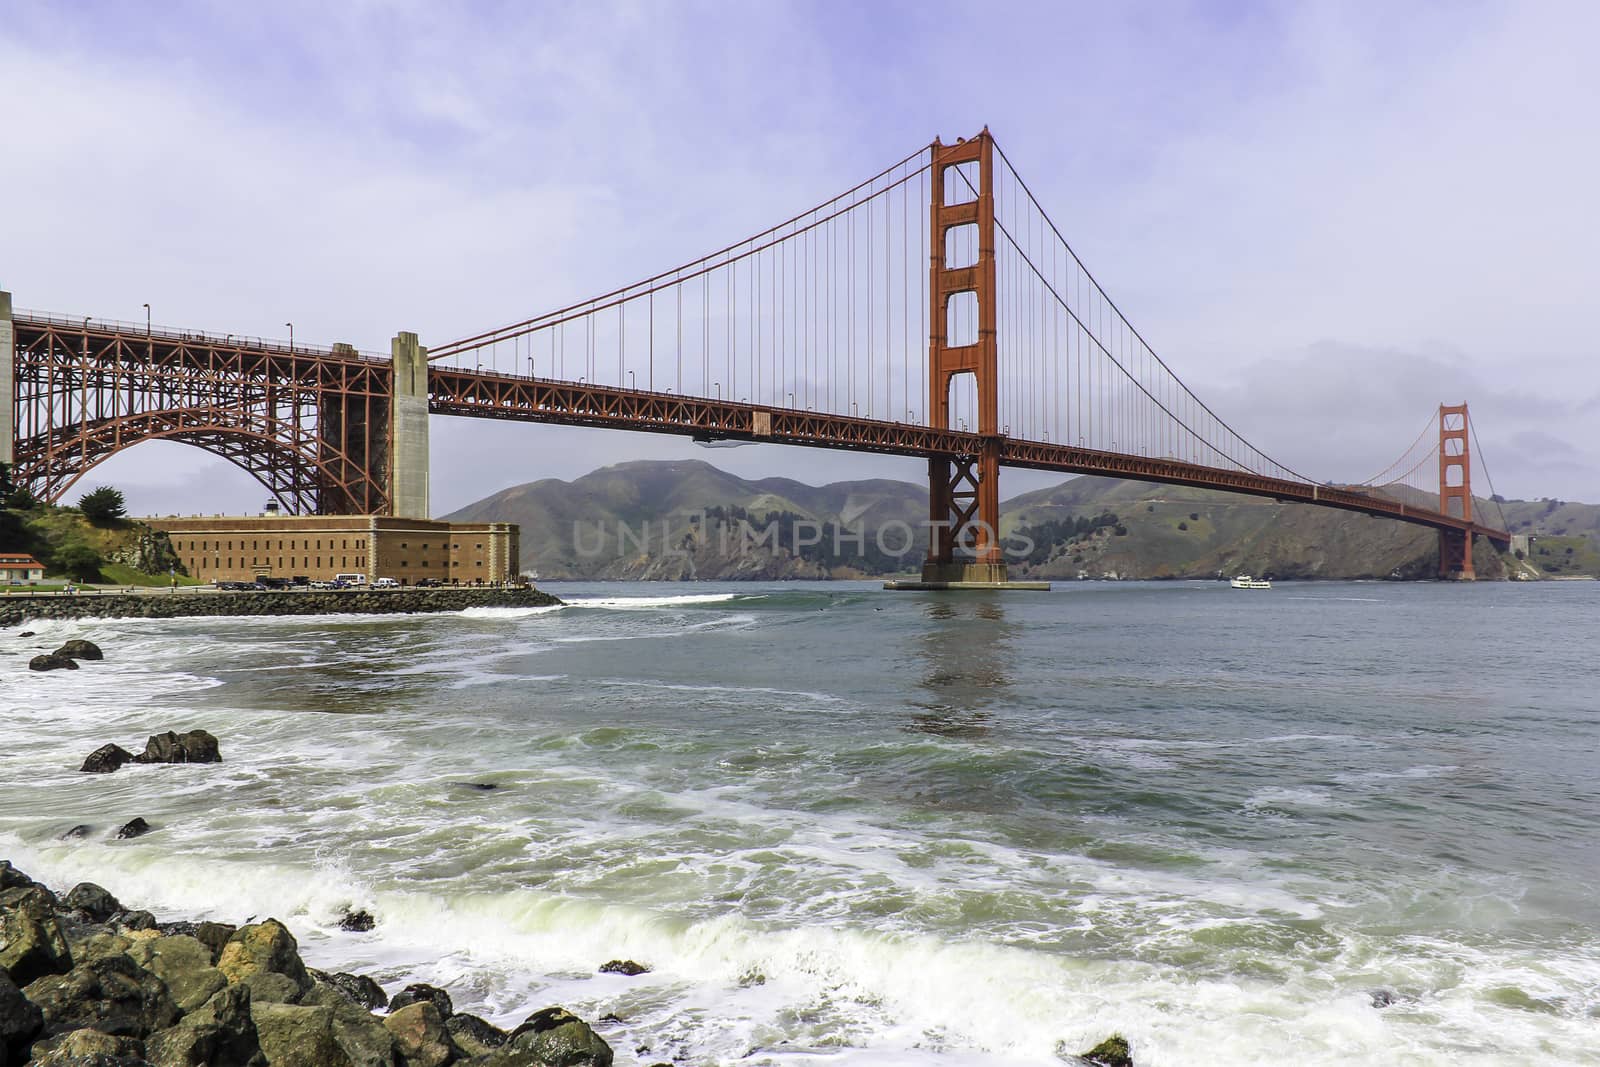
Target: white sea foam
(508, 613)
(630, 603)
(723, 986)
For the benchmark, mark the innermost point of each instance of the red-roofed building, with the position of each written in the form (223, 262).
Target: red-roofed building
(15, 568)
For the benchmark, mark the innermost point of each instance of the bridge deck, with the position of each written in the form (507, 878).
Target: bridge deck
(481, 395)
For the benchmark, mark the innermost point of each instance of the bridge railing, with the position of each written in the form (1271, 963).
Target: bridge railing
(250, 342)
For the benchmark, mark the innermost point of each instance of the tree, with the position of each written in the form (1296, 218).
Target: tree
(79, 562)
(103, 506)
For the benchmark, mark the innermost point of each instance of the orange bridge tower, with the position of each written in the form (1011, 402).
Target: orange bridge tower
(1455, 492)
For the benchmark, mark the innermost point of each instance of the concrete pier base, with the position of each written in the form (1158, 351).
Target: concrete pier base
(959, 576)
(8, 385)
(408, 434)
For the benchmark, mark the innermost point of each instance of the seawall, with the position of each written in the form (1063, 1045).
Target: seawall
(15, 610)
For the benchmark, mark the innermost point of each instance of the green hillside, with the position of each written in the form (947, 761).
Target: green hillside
(690, 520)
(112, 550)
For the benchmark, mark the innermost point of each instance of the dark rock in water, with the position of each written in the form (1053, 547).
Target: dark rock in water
(627, 967)
(135, 827)
(421, 991)
(178, 928)
(358, 988)
(94, 901)
(1383, 998)
(558, 1038)
(134, 920)
(11, 878)
(106, 759)
(1112, 1052)
(196, 746)
(20, 1021)
(483, 787)
(83, 829)
(48, 662)
(213, 936)
(113, 995)
(220, 1033)
(26, 633)
(357, 921)
(475, 1036)
(80, 650)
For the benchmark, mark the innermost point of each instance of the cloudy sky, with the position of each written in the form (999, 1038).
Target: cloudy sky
(1328, 217)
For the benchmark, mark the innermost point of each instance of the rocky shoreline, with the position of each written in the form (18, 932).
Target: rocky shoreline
(15, 610)
(85, 982)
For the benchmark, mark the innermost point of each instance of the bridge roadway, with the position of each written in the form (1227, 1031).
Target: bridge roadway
(477, 394)
(141, 374)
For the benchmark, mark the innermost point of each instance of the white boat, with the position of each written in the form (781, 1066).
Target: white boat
(1244, 581)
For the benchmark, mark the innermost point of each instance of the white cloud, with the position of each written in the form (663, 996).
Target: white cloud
(1410, 182)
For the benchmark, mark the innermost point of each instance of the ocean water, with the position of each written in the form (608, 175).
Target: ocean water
(844, 826)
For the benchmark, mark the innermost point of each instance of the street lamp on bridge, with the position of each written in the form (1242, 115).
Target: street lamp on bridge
(291, 335)
(146, 322)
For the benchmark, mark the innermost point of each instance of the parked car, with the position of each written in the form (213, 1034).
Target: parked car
(386, 583)
(429, 583)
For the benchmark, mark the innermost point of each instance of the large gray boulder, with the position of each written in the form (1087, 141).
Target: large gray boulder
(114, 995)
(219, 1033)
(361, 1034)
(31, 945)
(558, 1038)
(357, 987)
(263, 948)
(90, 1048)
(11, 878)
(214, 936)
(418, 992)
(90, 943)
(35, 900)
(184, 964)
(196, 746)
(420, 1039)
(20, 1022)
(292, 1035)
(475, 1036)
(96, 903)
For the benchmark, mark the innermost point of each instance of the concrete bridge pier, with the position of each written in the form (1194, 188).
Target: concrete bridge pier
(408, 429)
(8, 382)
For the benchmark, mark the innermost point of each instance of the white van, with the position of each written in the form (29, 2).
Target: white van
(386, 583)
(351, 579)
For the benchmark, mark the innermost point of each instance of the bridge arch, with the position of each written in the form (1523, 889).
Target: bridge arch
(311, 426)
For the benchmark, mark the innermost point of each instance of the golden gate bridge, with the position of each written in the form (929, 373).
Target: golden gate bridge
(933, 310)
